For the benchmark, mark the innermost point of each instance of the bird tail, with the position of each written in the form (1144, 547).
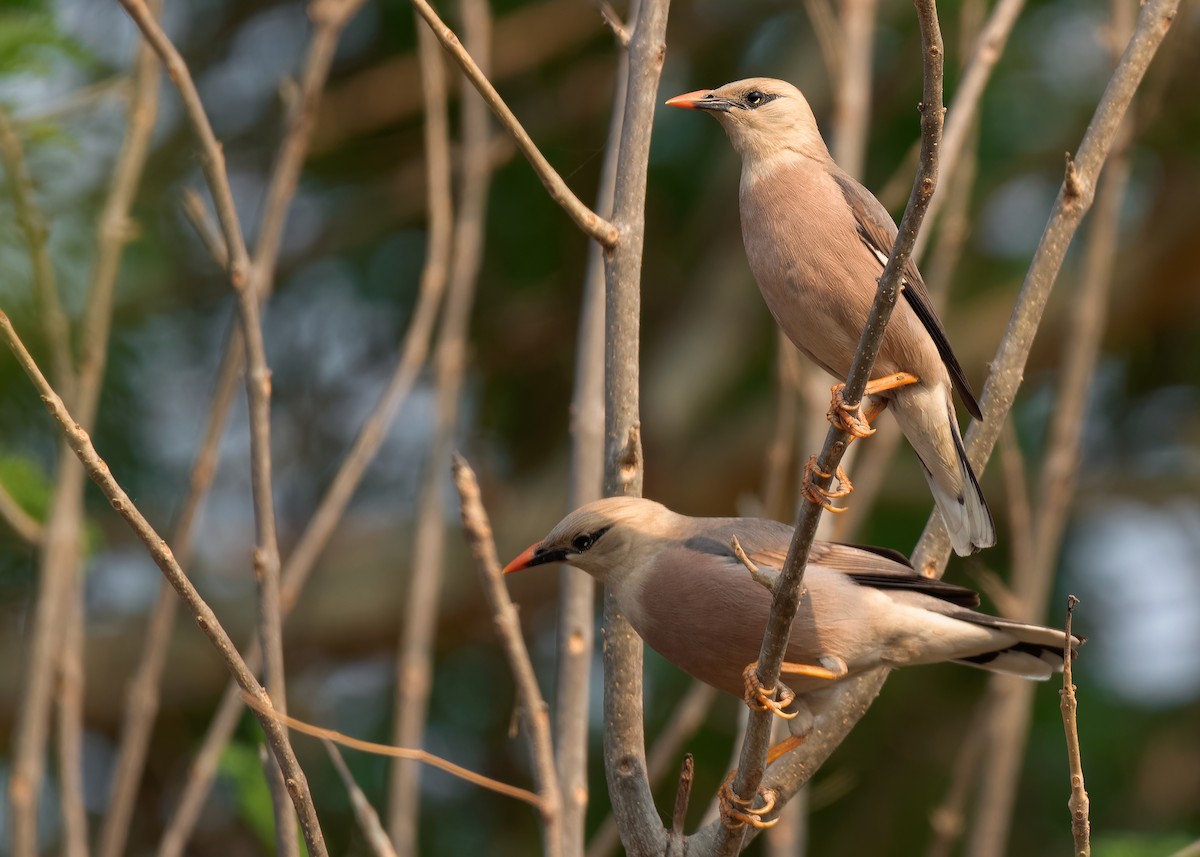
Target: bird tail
(1037, 653)
(943, 457)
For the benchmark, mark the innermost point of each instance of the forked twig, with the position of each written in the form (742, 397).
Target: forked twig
(534, 712)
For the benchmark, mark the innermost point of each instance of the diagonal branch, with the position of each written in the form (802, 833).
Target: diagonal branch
(258, 392)
(591, 223)
(788, 590)
(534, 711)
(856, 696)
(99, 472)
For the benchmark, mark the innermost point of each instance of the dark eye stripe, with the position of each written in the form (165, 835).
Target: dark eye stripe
(762, 98)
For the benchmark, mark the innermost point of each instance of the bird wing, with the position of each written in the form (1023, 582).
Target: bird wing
(766, 544)
(878, 232)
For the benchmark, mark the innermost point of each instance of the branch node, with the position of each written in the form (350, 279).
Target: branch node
(764, 580)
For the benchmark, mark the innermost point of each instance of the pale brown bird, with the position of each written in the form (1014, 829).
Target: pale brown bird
(817, 241)
(692, 600)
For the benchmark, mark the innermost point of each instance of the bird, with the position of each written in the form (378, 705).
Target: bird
(817, 242)
(681, 584)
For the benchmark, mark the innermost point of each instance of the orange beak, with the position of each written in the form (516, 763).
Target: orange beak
(701, 99)
(524, 560)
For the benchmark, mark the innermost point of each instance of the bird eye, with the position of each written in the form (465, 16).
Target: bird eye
(754, 98)
(583, 542)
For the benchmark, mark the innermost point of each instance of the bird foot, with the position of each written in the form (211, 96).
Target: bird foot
(822, 496)
(736, 812)
(849, 419)
(758, 698)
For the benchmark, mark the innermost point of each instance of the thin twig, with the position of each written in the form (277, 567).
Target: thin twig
(258, 392)
(614, 23)
(788, 588)
(1081, 827)
(682, 723)
(198, 215)
(1074, 199)
(764, 580)
(1039, 548)
(364, 813)
(576, 588)
(262, 707)
(414, 671)
(329, 17)
(27, 527)
(99, 472)
(677, 840)
(534, 712)
(308, 549)
(642, 831)
(964, 107)
(142, 700)
(587, 220)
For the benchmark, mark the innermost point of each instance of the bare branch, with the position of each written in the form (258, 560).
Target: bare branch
(415, 649)
(613, 21)
(258, 391)
(364, 813)
(788, 588)
(98, 471)
(1074, 199)
(960, 118)
(683, 722)
(142, 699)
(1079, 803)
(262, 706)
(534, 711)
(641, 828)
(587, 220)
(577, 590)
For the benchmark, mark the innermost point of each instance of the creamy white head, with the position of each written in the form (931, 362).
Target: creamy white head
(763, 117)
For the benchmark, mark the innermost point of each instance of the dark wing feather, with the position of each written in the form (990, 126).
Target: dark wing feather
(878, 232)
(883, 568)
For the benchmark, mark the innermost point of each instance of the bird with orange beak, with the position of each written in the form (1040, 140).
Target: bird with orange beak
(817, 242)
(689, 595)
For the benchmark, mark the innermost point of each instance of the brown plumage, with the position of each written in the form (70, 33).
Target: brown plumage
(685, 592)
(817, 241)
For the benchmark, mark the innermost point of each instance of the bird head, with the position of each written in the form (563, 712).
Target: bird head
(762, 116)
(600, 538)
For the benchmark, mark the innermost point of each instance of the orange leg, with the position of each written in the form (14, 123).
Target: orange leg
(785, 746)
(837, 670)
(822, 496)
(736, 812)
(852, 420)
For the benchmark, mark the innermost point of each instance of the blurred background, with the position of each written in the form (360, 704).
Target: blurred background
(346, 287)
